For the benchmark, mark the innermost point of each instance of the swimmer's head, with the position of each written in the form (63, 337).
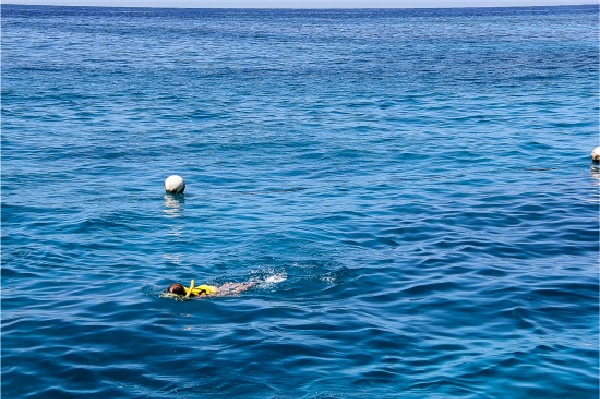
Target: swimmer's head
(176, 289)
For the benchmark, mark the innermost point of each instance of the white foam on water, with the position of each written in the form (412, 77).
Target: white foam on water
(276, 278)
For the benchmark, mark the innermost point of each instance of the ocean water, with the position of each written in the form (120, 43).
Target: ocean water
(411, 189)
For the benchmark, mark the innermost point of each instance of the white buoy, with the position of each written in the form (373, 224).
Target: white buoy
(596, 154)
(174, 184)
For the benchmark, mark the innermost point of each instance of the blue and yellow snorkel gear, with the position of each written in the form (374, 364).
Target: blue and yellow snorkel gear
(201, 290)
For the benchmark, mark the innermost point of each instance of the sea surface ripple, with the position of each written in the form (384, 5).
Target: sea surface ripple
(411, 188)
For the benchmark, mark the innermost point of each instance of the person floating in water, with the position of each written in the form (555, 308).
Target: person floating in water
(192, 291)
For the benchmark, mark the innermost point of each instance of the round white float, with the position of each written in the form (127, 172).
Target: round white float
(596, 154)
(174, 184)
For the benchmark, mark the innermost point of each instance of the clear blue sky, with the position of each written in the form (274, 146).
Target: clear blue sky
(304, 3)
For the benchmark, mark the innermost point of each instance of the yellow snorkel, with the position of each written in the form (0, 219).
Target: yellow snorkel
(189, 290)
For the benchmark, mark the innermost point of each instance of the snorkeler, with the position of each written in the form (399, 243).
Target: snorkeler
(208, 290)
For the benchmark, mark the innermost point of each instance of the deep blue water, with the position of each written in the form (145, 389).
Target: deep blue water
(420, 178)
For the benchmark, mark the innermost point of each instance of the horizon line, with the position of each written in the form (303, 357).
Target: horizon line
(297, 8)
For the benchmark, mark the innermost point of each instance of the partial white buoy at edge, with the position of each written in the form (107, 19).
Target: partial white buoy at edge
(174, 184)
(596, 154)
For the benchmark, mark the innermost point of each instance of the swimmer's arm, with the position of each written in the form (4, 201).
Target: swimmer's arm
(243, 287)
(234, 288)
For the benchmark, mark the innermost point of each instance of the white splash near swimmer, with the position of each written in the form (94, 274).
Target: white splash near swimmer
(268, 278)
(276, 278)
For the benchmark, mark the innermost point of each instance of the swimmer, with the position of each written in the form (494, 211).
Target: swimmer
(226, 289)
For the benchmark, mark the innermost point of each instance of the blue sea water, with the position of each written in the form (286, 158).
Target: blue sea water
(411, 188)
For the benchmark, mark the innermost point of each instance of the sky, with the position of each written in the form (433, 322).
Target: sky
(303, 3)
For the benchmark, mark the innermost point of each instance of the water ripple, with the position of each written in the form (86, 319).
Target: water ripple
(410, 189)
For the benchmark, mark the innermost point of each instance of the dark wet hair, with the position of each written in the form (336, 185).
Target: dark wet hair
(176, 289)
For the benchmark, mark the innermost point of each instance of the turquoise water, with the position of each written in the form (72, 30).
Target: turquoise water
(411, 189)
